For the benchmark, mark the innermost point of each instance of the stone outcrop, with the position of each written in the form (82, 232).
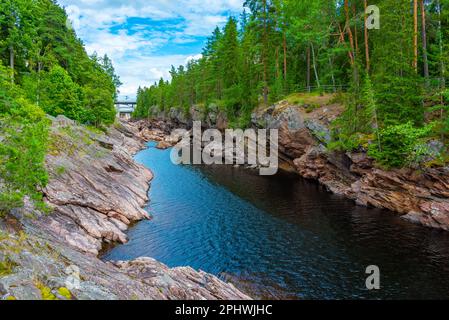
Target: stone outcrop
(211, 117)
(157, 131)
(421, 196)
(96, 191)
(43, 261)
(95, 183)
(183, 283)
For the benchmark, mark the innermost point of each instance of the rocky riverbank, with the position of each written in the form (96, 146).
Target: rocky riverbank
(95, 192)
(418, 195)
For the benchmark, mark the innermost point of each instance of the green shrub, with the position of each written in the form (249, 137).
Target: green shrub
(400, 145)
(350, 142)
(23, 136)
(60, 95)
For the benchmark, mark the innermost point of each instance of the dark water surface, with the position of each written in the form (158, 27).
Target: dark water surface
(282, 237)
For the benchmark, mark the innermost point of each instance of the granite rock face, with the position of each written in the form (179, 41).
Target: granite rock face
(43, 261)
(421, 196)
(95, 183)
(96, 191)
(183, 283)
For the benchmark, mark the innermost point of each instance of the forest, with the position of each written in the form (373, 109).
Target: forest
(44, 70)
(391, 77)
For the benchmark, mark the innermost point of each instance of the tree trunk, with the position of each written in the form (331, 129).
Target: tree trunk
(442, 66)
(265, 58)
(39, 69)
(349, 31)
(342, 40)
(424, 42)
(376, 127)
(11, 63)
(315, 67)
(367, 41)
(285, 56)
(277, 64)
(354, 9)
(308, 68)
(440, 40)
(415, 34)
(332, 74)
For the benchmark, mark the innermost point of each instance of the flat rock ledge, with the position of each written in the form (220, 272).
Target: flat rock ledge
(96, 191)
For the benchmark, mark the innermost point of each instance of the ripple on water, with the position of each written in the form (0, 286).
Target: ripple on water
(282, 237)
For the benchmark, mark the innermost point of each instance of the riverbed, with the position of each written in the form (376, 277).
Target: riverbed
(282, 237)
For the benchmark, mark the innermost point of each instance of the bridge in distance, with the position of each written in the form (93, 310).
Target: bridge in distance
(125, 109)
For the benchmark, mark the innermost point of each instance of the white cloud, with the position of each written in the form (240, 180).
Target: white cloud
(135, 54)
(145, 70)
(194, 57)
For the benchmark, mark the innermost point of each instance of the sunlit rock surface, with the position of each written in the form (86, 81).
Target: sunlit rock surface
(96, 191)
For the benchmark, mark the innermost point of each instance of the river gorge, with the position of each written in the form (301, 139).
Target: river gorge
(216, 232)
(281, 237)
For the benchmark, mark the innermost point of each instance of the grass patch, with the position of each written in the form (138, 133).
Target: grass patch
(313, 98)
(67, 140)
(301, 98)
(6, 267)
(59, 144)
(96, 130)
(60, 170)
(13, 244)
(64, 292)
(46, 292)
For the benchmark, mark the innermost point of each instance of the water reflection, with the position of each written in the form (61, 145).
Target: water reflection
(282, 237)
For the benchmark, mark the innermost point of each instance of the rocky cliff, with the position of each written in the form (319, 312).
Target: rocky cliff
(421, 196)
(96, 191)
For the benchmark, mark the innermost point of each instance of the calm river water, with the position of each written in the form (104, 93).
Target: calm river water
(282, 237)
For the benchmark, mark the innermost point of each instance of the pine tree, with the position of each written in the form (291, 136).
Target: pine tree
(231, 64)
(397, 85)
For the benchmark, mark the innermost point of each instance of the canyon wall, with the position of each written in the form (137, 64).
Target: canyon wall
(420, 195)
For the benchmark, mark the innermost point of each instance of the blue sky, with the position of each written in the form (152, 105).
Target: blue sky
(145, 37)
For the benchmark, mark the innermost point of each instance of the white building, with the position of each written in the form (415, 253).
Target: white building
(125, 109)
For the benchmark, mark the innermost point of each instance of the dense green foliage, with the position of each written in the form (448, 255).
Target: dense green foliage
(44, 69)
(391, 76)
(400, 145)
(51, 64)
(23, 140)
